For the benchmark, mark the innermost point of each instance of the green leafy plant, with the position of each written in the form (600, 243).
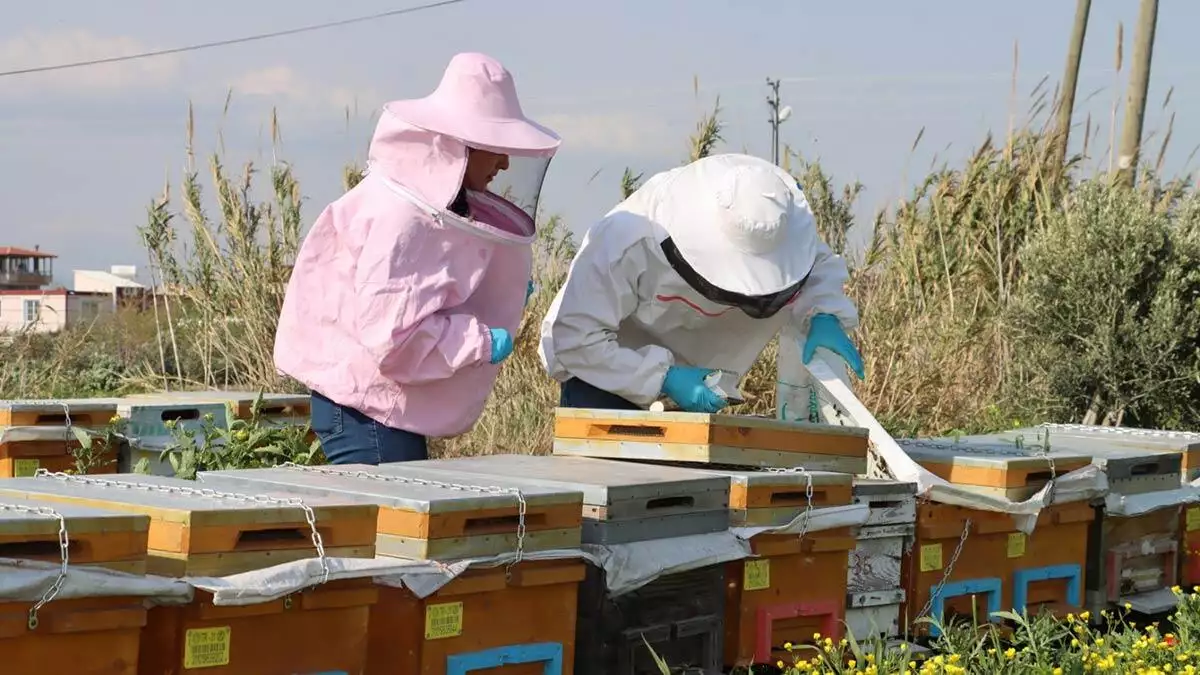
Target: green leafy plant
(96, 449)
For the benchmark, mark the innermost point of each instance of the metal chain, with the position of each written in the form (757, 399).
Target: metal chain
(937, 590)
(808, 492)
(64, 546)
(309, 516)
(522, 506)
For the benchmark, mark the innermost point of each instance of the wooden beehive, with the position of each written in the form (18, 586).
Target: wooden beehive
(1148, 440)
(24, 450)
(294, 408)
(152, 417)
(796, 586)
(709, 439)
(80, 412)
(197, 534)
(680, 615)
(874, 592)
(422, 516)
(1000, 469)
(995, 567)
(1130, 470)
(323, 629)
(622, 501)
(97, 537)
(518, 621)
(87, 635)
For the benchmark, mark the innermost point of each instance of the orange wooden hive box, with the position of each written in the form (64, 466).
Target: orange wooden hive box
(97, 636)
(797, 585)
(79, 412)
(970, 563)
(24, 450)
(199, 533)
(507, 621)
(731, 440)
(999, 469)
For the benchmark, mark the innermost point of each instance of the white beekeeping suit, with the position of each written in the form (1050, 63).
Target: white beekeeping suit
(697, 270)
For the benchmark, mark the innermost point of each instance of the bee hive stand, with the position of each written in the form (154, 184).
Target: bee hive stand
(709, 439)
(195, 535)
(425, 521)
(622, 501)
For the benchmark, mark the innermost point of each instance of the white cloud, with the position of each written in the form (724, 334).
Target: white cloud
(32, 49)
(283, 82)
(623, 133)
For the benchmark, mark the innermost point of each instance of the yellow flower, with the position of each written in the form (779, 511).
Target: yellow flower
(787, 646)
(816, 637)
(1010, 653)
(779, 665)
(1128, 606)
(851, 663)
(1056, 671)
(1177, 590)
(1085, 615)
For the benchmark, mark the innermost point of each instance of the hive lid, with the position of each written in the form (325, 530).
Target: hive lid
(1105, 452)
(767, 477)
(877, 486)
(406, 494)
(1186, 441)
(81, 517)
(27, 434)
(56, 405)
(772, 423)
(221, 396)
(602, 481)
(990, 454)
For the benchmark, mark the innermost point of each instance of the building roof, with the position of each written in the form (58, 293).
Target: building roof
(49, 292)
(24, 252)
(111, 279)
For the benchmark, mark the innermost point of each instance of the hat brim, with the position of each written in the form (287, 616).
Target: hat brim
(512, 136)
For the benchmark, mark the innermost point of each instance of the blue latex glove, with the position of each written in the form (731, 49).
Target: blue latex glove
(685, 386)
(529, 292)
(502, 345)
(825, 331)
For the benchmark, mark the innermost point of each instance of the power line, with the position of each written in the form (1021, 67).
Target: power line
(231, 41)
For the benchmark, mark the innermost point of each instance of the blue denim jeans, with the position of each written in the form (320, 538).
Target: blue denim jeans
(350, 437)
(576, 393)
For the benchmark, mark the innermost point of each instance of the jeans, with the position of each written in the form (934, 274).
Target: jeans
(576, 393)
(350, 437)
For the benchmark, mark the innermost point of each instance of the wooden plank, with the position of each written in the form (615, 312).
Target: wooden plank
(697, 453)
(98, 636)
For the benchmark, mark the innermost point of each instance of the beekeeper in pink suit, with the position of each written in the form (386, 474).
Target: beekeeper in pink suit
(406, 293)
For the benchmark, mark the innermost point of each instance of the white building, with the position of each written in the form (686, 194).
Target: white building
(28, 303)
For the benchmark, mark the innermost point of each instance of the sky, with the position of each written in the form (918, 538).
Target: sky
(83, 152)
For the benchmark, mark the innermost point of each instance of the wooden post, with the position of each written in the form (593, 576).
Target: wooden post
(1066, 106)
(1135, 100)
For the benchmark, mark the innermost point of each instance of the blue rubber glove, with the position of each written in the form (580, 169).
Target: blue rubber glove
(685, 386)
(502, 345)
(529, 292)
(825, 331)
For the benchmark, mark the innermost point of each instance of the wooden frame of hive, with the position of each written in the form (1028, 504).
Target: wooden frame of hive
(709, 439)
(24, 450)
(81, 412)
(796, 586)
(422, 521)
(193, 535)
(998, 469)
(622, 501)
(94, 635)
(999, 568)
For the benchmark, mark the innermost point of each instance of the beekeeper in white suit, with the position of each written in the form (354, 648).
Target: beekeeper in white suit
(696, 271)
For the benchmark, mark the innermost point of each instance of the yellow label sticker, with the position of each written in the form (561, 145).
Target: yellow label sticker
(931, 557)
(1016, 544)
(443, 621)
(1193, 519)
(206, 647)
(25, 468)
(757, 575)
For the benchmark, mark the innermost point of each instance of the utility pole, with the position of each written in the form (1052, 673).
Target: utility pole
(1066, 106)
(773, 104)
(1135, 99)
